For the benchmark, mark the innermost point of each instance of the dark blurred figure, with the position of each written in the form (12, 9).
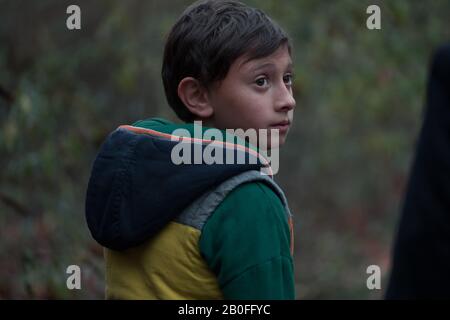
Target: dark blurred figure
(421, 256)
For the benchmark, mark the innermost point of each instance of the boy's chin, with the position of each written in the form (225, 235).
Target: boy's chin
(271, 145)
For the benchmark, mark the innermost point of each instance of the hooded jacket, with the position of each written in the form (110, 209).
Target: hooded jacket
(187, 231)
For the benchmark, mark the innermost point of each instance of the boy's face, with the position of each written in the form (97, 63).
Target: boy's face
(255, 94)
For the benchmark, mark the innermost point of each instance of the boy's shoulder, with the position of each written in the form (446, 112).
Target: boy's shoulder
(254, 209)
(250, 205)
(251, 195)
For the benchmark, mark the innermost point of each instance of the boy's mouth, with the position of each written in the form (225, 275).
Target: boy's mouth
(283, 126)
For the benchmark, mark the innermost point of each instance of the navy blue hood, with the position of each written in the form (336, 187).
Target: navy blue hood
(135, 189)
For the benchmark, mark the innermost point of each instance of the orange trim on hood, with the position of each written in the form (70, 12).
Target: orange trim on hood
(180, 138)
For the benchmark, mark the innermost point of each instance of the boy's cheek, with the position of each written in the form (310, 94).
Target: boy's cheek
(291, 115)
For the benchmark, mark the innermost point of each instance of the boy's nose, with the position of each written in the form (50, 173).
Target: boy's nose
(285, 101)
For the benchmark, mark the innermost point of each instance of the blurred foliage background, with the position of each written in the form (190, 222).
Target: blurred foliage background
(360, 96)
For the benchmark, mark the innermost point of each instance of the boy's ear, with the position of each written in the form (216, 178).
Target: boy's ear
(195, 97)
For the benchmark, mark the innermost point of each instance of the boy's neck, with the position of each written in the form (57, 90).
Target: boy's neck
(206, 122)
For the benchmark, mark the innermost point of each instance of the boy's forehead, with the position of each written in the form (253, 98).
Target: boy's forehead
(279, 57)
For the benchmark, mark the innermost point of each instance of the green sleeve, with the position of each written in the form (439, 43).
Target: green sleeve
(246, 243)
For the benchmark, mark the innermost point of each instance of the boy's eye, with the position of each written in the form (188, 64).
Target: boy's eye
(288, 79)
(261, 82)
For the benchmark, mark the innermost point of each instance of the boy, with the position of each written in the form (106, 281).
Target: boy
(202, 231)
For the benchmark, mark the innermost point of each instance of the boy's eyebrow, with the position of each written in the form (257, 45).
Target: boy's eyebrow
(270, 64)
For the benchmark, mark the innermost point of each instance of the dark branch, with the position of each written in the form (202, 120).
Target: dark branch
(14, 204)
(6, 95)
